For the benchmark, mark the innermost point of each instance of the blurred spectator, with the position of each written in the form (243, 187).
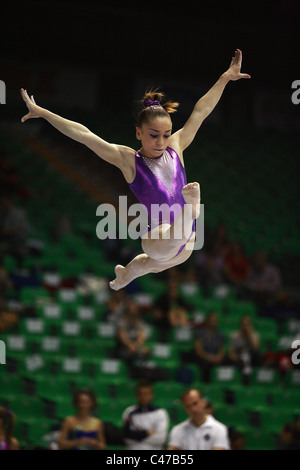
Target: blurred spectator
(244, 347)
(200, 431)
(170, 310)
(236, 265)
(7, 424)
(131, 335)
(221, 240)
(14, 229)
(237, 440)
(209, 407)
(82, 431)
(209, 266)
(289, 437)
(115, 306)
(10, 178)
(209, 346)
(62, 226)
(145, 425)
(264, 281)
(5, 282)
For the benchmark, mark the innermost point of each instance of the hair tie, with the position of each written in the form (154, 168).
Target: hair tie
(148, 103)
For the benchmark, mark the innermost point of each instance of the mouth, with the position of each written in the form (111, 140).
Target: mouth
(158, 150)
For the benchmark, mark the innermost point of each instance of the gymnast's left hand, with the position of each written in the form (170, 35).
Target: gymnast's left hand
(234, 70)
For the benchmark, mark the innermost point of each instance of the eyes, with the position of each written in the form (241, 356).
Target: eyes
(156, 135)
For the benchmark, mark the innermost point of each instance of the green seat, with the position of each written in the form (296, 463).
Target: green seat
(52, 387)
(231, 415)
(259, 440)
(30, 407)
(293, 379)
(273, 420)
(226, 375)
(265, 377)
(251, 397)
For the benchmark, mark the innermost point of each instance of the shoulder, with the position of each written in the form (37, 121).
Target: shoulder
(181, 427)
(14, 444)
(174, 146)
(129, 411)
(215, 424)
(70, 421)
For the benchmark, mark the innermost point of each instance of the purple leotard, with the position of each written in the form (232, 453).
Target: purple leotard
(160, 181)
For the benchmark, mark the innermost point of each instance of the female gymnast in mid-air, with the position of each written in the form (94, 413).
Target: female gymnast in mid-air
(155, 173)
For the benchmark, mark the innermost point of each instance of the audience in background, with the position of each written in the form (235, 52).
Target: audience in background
(170, 310)
(236, 265)
(237, 440)
(145, 425)
(289, 437)
(115, 306)
(7, 425)
(264, 280)
(14, 229)
(201, 431)
(132, 335)
(209, 348)
(83, 431)
(209, 268)
(244, 347)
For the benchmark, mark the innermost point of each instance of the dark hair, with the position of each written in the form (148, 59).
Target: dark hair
(84, 391)
(150, 112)
(143, 384)
(189, 390)
(8, 424)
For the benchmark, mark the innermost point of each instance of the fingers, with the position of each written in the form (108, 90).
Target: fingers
(24, 118)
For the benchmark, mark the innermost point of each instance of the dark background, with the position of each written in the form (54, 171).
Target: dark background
(192, 42)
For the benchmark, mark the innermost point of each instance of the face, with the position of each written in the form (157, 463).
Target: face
(154, 136)
(84, 403)
(194, 405)
(144, 396)
(212, 320)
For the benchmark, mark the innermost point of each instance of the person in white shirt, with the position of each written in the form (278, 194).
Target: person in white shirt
(200, 431)
(145, 425)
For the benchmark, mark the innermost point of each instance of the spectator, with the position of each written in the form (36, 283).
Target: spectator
(14, 229)
(115, 306)
(82, 431)
(145, 425)
(237, 440)
(289, 437)
(131, 335)
(7, 423)
(236, 265)
(170, 310)
(5, 282)
(209, 346)
(62, 226)
(200, 431)
(221, 240)
(209, 265)
(244, 347)
(264, 281)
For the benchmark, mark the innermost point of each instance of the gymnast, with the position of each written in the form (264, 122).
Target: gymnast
(155, 173)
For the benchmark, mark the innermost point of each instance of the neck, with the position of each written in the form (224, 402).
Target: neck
(197, 421)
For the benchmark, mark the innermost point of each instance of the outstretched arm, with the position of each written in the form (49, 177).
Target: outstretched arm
(112, 153)
(207, 103)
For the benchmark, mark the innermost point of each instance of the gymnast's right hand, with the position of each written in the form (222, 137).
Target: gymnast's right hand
(35, 111)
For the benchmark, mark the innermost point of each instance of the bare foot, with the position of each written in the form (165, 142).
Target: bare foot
(191, 194)
(119, 282)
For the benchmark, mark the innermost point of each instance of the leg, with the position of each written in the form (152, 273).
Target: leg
(143, 264)
(164, 241)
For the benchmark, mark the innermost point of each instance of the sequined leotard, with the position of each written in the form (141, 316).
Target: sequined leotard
(160, 181)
